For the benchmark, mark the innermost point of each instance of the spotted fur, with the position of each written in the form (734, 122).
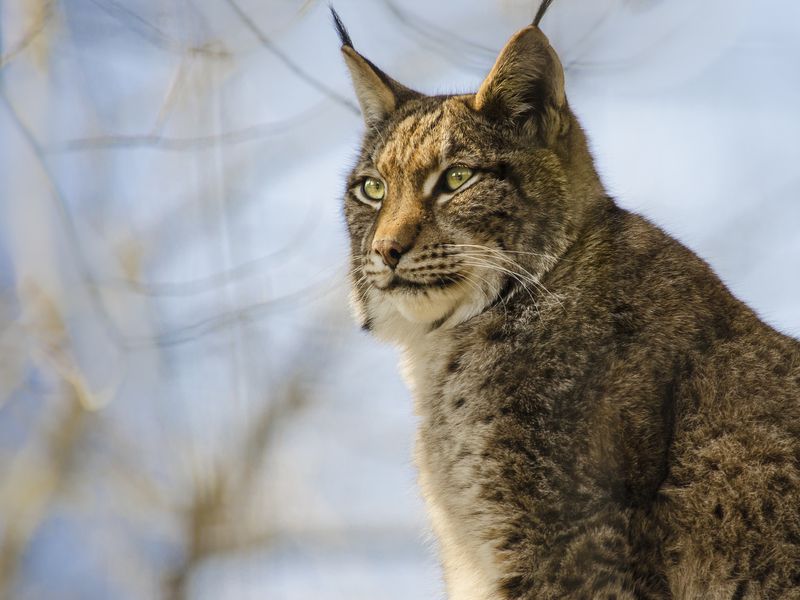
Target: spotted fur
(599, 416)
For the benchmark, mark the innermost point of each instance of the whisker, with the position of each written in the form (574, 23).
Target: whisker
(551, 257)
(523, 271)
(360, 281)
(525, 275)
(490, 286)
(501, 255)
(482, 262)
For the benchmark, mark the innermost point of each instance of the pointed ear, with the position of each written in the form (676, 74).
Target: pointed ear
(526, 85)
(373, 88)
(378, 94)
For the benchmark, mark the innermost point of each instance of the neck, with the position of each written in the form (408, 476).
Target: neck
(584, 183)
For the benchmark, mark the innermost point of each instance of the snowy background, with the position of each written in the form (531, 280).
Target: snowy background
(186, 409)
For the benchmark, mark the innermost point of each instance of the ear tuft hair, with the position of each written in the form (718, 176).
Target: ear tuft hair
(340, 28)
(539, 13)
(377, 93)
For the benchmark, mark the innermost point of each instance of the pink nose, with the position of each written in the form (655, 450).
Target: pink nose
(390, 251)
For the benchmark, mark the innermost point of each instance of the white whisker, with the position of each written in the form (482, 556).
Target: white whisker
(483, 262)
(478, 251)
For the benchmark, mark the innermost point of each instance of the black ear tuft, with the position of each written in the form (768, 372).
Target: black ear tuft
(340, 28)
(539, 13)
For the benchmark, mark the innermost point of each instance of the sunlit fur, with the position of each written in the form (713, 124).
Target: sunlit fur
(470, 243)
(598, 416)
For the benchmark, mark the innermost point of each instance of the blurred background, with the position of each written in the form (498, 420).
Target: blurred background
(186, 407)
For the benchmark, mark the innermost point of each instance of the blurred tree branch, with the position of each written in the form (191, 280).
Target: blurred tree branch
(34, 479)
(301, 73)
(212, 282)
(190, 144)
(155, 35)
(191, 333)
(93, 286)
(70, 228)
(43, 15)
(215, 520)
(457, 50)
(31, 486)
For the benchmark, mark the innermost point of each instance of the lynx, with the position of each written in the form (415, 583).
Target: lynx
(599, 417)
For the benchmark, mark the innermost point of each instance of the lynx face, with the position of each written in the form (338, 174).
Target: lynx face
(457, 200)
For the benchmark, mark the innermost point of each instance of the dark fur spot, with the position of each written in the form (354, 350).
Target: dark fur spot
(572, 583)
(722, 327)
(719, 512)
(459, 402)
(495, 335)
(454, 364)
(502, 171)
(624, 322)
(605, 580)
(514, 587)
(746, 518)
(781, 370)
(498, 214)
(780, 483)
(512, 541)
(740, 591)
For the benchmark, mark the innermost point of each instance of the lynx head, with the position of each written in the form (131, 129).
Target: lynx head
(457, 201)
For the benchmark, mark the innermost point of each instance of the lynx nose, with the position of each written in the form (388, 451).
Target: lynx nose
(390, 251)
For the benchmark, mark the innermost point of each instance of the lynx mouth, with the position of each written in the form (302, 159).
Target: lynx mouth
(399, 283)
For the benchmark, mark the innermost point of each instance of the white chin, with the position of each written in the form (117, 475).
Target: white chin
(427, 307)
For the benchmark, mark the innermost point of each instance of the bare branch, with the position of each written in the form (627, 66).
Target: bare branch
(188, 144)
(173, 93)
(73, 238)
(28, 38)
(290, 63)
(200, 285)
(191, 333)
(457, 50)
(215, 519)
(153, 34)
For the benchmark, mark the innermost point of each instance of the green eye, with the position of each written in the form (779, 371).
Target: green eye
(373, 188)
(455, 177)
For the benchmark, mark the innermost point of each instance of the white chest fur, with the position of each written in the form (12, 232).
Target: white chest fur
(468, 570)
(468, 562)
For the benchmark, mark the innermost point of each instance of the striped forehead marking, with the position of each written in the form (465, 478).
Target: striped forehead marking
(416, 142)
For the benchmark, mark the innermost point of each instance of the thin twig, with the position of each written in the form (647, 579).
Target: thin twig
(299, 72)
(191, 333)
(459, 51)
(153, 34)
(187, 144)
(200, 285)
(33, 32)
(71, 229)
